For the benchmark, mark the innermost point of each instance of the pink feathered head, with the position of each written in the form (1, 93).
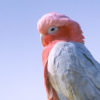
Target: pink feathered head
(59, 20)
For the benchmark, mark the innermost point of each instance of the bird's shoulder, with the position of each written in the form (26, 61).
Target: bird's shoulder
(63, 48)
(70, 55)
(63, 54)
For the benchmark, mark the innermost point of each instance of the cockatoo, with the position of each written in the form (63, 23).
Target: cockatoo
(70, 71)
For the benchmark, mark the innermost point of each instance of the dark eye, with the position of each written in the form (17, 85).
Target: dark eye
(52, 29)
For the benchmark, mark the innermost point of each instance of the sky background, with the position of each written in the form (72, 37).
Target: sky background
(21, 71)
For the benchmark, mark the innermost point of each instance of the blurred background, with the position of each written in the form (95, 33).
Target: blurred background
(21, 71)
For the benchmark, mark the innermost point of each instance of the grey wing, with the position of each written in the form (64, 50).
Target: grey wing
(74, 72)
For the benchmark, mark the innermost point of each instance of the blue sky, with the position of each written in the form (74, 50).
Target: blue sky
(21, 71)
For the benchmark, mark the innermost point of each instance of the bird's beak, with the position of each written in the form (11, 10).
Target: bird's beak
(41, 38)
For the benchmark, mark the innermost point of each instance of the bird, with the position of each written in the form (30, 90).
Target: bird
(70, 70)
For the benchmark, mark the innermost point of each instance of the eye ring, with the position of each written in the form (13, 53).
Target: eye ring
(52, 29)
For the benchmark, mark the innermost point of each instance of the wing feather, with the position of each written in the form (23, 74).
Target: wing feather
(74, 72)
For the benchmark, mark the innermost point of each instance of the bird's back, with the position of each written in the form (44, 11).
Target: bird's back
(73, 72)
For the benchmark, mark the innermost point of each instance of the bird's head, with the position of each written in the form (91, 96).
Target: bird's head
(53, 26)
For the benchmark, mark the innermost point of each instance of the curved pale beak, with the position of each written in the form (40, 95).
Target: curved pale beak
(41, 38)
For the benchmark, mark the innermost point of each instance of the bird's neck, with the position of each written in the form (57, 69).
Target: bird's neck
(47, 50)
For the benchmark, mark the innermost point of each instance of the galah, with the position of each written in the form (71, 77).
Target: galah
(70, 71)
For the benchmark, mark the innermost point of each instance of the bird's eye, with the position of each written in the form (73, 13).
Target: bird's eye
(52, 29)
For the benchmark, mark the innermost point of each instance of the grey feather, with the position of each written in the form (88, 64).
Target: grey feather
(73, 72)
